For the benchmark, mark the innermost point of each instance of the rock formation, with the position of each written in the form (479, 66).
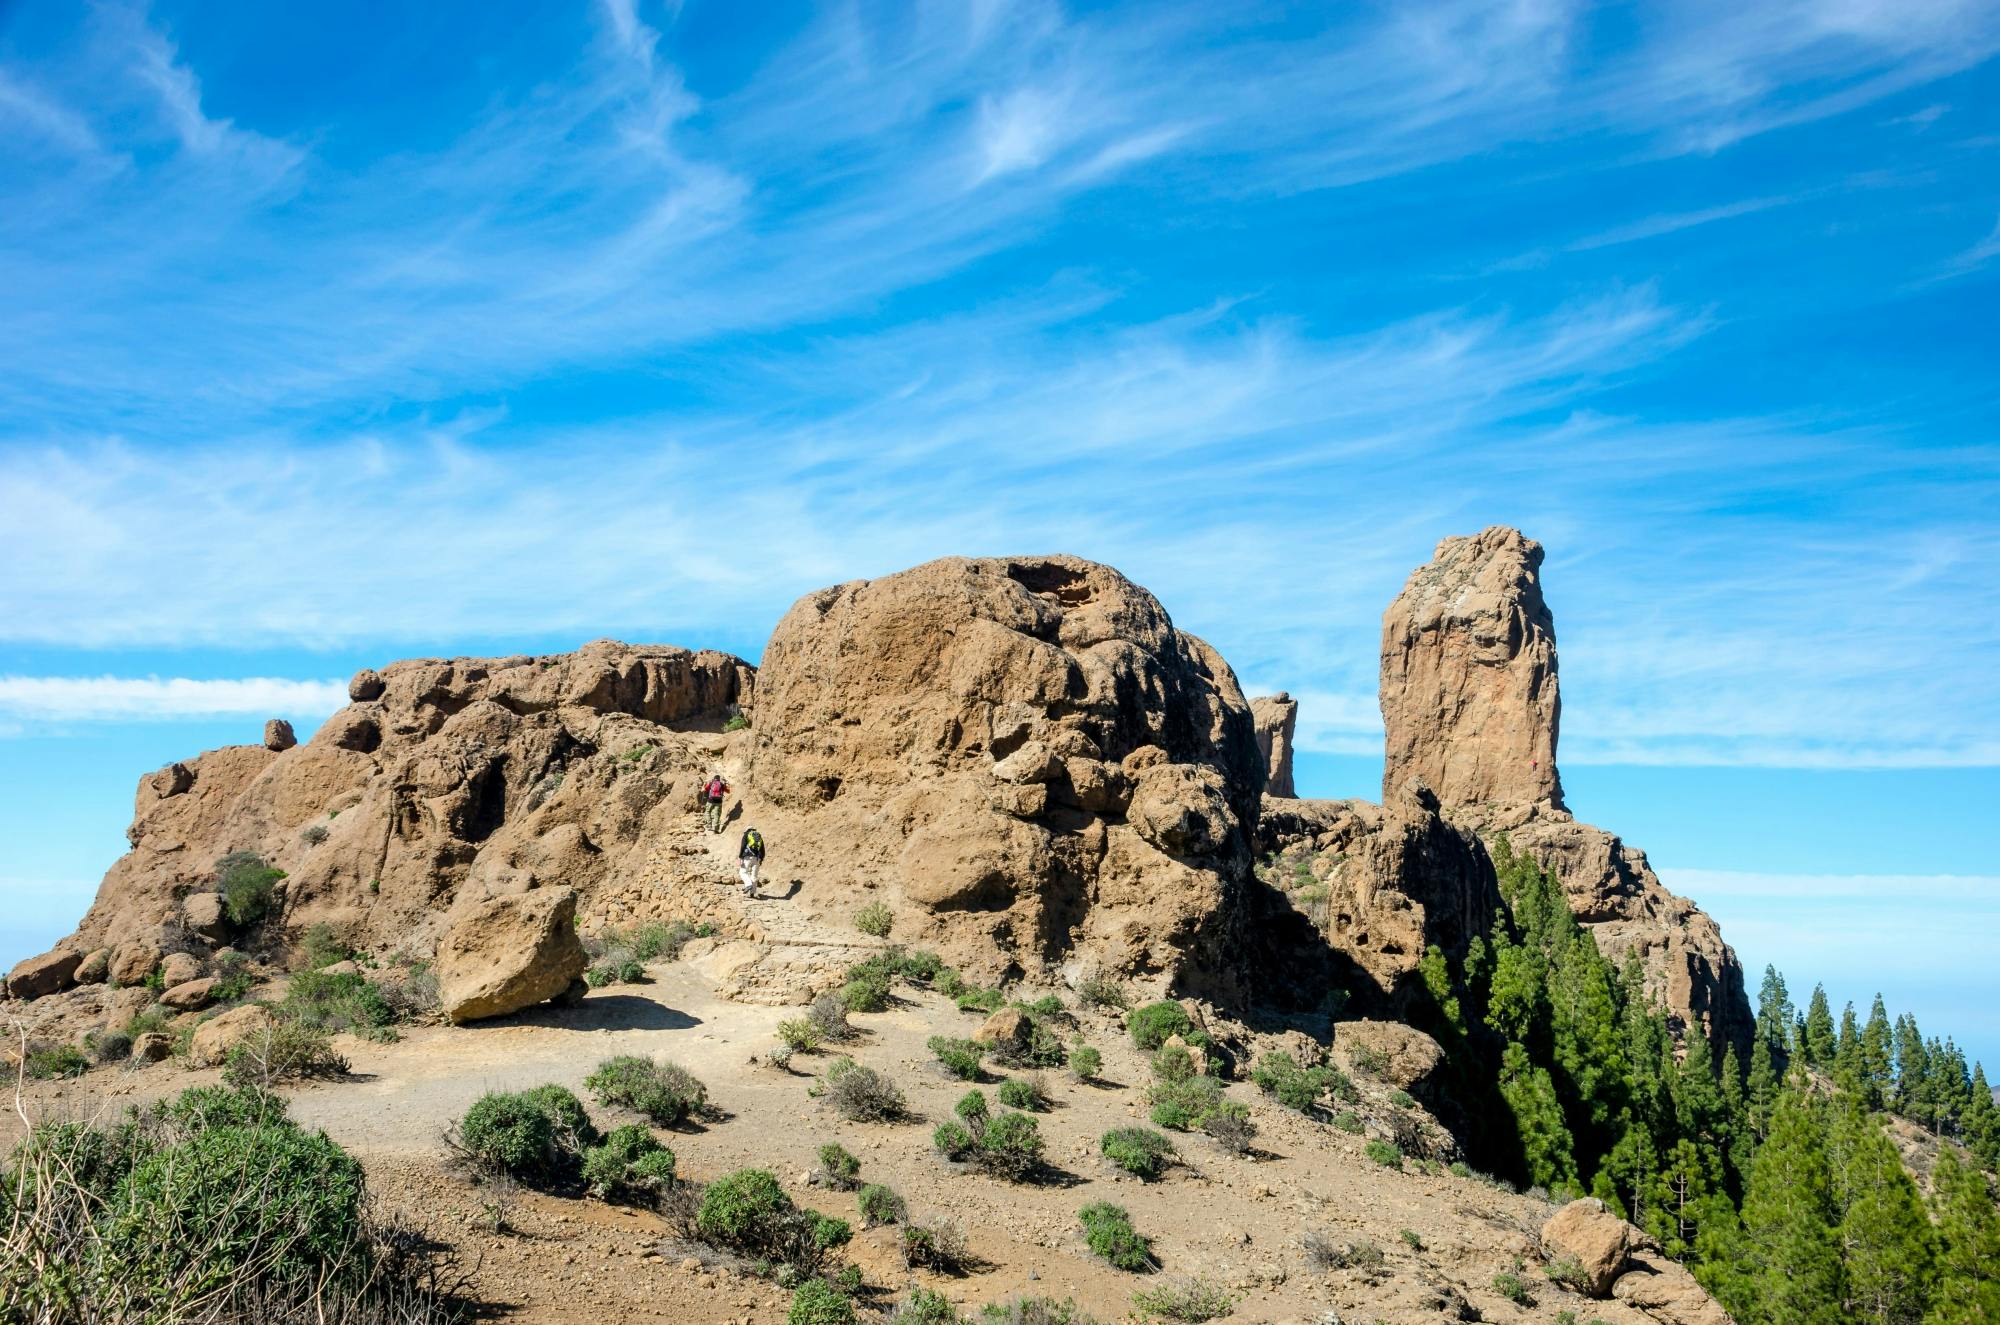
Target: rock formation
(1022, 754)
(1618, 1260)
(466, 777)
(506, 953)
(1277, 718)
(1470, 705)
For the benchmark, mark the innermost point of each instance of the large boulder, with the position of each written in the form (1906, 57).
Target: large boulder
(95, 968)
(1471, 708)
(214, 1038)
(508, 953)
(278, 736)
(202, 914)
(190, 995)
(1664, 1290)
(1041, 766)
(50, 973)
(1277, 719)
(132, 962)
(178, 968)
(1588, 1233)
(1398, 1054)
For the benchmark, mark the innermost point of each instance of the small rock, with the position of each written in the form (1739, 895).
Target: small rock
(367, 685)
(131, 963)
(202, 913)
(95, 967)
(190, 994)
(152, 1047)
(179, 968)
(278, 735)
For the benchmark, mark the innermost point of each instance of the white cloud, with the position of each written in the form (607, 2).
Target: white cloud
(151, 699)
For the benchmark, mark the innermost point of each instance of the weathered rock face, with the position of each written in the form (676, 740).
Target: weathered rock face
(510, 952)
(1470, 705)
(1469, 697)
(492, 773)
(1041, 768)
(1277, 718)
(1381, 884)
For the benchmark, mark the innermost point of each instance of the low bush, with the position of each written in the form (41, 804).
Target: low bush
(1108, 1231)
(937, 1245)
(630, 1166)
(979, 1000)
(875, 920)
(1347, 1120)
(1369, 1060)
(1413, 1240)
(1230, 1127)
(537, 1137)
(1035, 1311)
(283, 1051)
(1386, 1153)
(1084, 1062)
(1154, 1024)
(817, 1302)
(1298, 1087)
(737, 722)
(335, 1002)
(861, 1094)
(1023, 1093)
(1172, 1063)
(1511, 1287)
(867, 991)
(1401, 1099)
(838, 1168)
(925, 1307)
(320, 947)
(108, 1046)
(1569, 1272)
(51, 1064)
(247, 884)
(800, 1034)
(1011, 1147)
(1186, 1104)
(1096, 991)
(1323, 1253)
(1138, 1150)
(665, 1093)
(961, 1058)
(1190, 1301)
(953, 1140)
(879, 1205)
(971, 1109)
(749, 1213)
(233, 979)
(950, 983)
(828, 1017)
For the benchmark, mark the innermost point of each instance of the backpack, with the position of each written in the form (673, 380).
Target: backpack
(753, 843)
(716, 788)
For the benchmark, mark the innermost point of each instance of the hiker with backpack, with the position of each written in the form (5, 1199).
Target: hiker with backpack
(749, 860)
(712, 796)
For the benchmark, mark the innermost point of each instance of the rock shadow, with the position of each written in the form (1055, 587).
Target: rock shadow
(604, 1012)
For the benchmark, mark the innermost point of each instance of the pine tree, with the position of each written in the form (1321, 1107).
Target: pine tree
(1762, 1086)
(1741, 1144)
(1790, 1272)
(1885, 1236)
(1982, 1120)
(1589, 1051)
(1774, 1011)
(1967, 1290)
(1847, 1048)
(1683, 1198)
(1818, 1038)
(1912, 1070)
(1546, 1146)
(1877, 1061)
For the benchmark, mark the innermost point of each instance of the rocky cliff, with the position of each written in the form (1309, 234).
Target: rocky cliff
(1277, 719)
(1470, 705)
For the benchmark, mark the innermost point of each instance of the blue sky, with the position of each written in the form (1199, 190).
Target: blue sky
(344, 333)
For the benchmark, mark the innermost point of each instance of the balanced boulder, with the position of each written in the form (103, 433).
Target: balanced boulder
(508, 953)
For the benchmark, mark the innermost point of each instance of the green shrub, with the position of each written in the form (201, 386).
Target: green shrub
(1569, 1272)
(200, 1108)
(664, 1092)
(961, 1058)
(1137, 1150)
(283, 1051)
(861, 1094)
(939, 1246)
(1297, 1087)
(1385, 1153)
(1401, 1099)
(534, 1136)
(875, 920)
(108, 1046)
(1172, 1062)
(1084, 1062)
(1186, 1104)
(1108, 1230)
(979, 1000)
(1411, 1239)
(1366, 1059)
(972, 1111)
(1156, 1023)
(838, 1168)
(867, 991)
(335, 1002)
(921, 966)
(818, 1302)
(799, 1034)
(953, 1140)
(247, 884)
(879, 1205)
(1035, 1311)
(950, 983)
(1510, 1287)
(1023, 1093)
(1230, 1127)
(737, 722)
(1047, 1007)
(630, 1165)
(747, 1212)
(828, 1018)
(1044, 1048)
(233, 979)
(1347, 1120)
(925, 1306)
(1191, 1301)
(1010, 1147)
(63, 1060)
(1095, 991)
(321, 947)
(1461, 1169)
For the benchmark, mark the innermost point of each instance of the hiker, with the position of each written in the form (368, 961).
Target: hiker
(712, 797)
(750, 859)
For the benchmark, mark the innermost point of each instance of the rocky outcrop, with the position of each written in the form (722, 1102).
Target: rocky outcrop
(278, 736)
(1277, 719)
(1586, 1232)
(444, 775)
(1659, 1287)
(509, 952)
(1381, 884)
(1614, 1259)
(1470, 705)
(50, 973)
(1038, 767)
